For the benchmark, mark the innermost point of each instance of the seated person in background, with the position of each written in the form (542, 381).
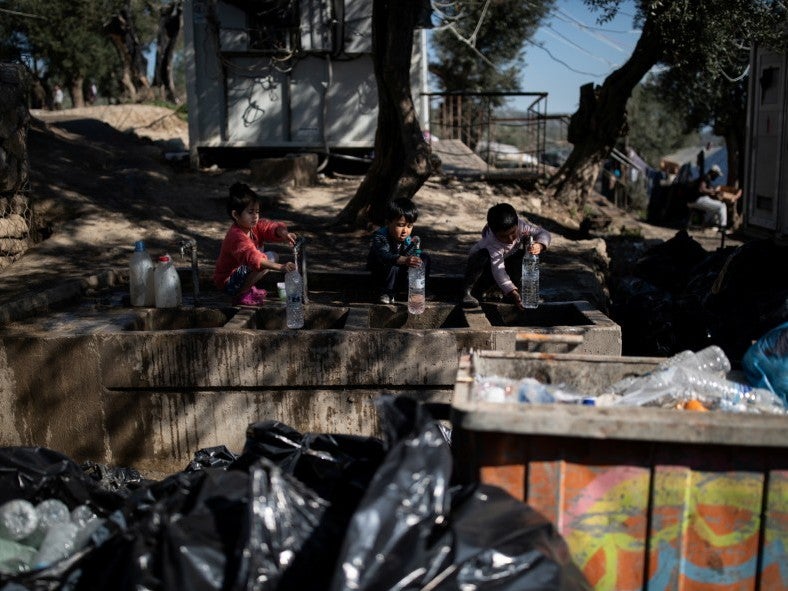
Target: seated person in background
(391, 251)
(708, 198)
(242, 261)
(497, 257)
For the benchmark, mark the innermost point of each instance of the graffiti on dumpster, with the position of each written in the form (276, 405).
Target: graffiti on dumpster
(703, 527)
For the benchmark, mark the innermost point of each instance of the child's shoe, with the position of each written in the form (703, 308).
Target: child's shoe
(386, 299)
(253, 297)
(468, 301)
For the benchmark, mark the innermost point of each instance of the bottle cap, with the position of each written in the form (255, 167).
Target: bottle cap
(164, 258)
(139, 246)
(589, 402)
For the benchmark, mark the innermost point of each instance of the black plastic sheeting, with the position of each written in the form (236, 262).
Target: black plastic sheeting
(680, 297)
(293, 511)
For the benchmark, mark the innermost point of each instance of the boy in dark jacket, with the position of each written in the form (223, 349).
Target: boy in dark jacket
(392, 251)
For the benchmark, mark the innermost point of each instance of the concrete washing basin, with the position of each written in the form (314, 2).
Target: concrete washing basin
(144, 387)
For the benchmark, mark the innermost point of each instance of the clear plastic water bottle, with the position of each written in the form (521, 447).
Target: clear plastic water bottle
(15, 557)
(711, 359)
(168, 285)
(417, 282)
(57, 544)
(676, 383)
(294, 288)
(50, 512)
(141, 288)
(81, 514)
(530, 277)
(18, 519)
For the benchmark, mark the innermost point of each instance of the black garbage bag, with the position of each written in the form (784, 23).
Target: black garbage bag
(211, 457)
(39, 473)
(36, 474)
(338, 468)
(749, 296)
(645, 313)
(670, 265)
(414, 530)
(692, 321)
(210, 529)
(320, 461)
(114, 478)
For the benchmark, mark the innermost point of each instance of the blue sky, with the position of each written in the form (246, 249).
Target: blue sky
(576, 50)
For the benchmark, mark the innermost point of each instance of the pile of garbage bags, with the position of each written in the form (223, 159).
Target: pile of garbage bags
(677, 296)
(292, 511)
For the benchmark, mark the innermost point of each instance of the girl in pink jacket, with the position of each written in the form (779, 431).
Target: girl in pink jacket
(242, 261)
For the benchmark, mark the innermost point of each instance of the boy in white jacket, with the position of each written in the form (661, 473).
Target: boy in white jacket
(498, 256)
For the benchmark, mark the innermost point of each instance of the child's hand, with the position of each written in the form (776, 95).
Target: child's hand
(514, 297)
(413, 261)
(286, 236)
(287, 267)
(536, 248)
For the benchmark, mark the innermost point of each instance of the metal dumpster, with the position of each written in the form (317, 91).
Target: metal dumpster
(646, 498)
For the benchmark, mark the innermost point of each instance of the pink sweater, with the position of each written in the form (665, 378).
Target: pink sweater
(239, 248)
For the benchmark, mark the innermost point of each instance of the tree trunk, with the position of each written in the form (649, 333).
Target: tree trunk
(601, 120)
(75, 90)
(134, 79)
(170, 19)
(14, 121)
(402, 160)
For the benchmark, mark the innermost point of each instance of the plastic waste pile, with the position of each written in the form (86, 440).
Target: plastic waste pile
(689, 380)
(36, 536)
(293, 511)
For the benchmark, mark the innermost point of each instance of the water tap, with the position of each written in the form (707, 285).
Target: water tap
(189, 245)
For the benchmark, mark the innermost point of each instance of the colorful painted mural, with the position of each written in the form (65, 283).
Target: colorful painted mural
(661, 519)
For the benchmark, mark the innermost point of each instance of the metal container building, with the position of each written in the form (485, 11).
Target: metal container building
(766, 189)
(271, 77)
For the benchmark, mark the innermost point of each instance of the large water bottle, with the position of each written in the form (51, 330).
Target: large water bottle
(530, 277)
(294, 288)
(168, 285)
(141, 288)
(417, 282)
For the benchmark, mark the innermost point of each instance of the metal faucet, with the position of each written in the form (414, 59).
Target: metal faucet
(187, 244)
(298, 247)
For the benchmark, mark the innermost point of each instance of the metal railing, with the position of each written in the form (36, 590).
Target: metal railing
(503, 135)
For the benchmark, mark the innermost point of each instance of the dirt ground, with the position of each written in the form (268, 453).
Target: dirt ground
(99, 182)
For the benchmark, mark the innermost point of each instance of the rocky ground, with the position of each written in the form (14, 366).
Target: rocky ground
(100, 181)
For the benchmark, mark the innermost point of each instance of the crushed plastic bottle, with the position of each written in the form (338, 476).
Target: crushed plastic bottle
(50, 512)
(676, 384)
(56, 545)
(18, 519)
(711, 359)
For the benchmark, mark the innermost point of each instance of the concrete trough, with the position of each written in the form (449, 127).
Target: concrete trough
(147, 388)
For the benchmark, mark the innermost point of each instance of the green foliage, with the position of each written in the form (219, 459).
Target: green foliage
(63, 40)
(655, 127)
